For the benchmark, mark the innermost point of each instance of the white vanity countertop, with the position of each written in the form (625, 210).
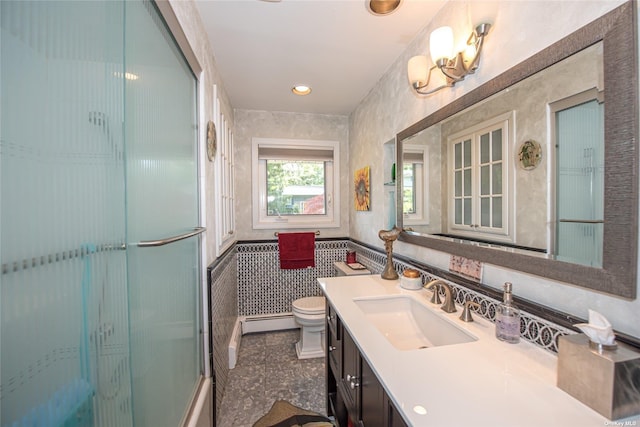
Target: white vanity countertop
(482, 383)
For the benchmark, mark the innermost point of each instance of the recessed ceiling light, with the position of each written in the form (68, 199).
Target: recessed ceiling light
(382, 7)
(301, 90)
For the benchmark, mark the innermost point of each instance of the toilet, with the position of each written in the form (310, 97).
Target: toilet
(309, 314)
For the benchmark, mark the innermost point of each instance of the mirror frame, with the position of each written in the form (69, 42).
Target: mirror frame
(617, 30)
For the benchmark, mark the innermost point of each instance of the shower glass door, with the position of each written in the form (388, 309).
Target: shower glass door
(161, 202)
(64, 352)
(580, 183)
(98, 326)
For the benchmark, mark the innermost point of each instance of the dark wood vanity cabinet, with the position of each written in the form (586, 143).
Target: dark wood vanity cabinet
(395, 419)
(333, 366)
(334, 342)
(373, 402)
(355, 396)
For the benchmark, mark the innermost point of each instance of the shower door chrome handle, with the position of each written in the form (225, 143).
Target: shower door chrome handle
(583, 221)
(162, 242)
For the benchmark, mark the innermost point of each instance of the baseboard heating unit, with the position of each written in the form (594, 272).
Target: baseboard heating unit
(260, 323)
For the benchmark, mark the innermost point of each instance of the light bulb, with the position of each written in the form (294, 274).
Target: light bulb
(441, 44)
(417, 69)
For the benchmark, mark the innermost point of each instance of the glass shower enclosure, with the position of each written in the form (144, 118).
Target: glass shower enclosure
(99, 293)
(579, 135)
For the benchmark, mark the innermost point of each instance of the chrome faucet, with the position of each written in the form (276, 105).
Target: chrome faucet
(448, 306)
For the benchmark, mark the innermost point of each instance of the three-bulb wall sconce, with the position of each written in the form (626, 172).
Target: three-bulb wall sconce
(454, 66)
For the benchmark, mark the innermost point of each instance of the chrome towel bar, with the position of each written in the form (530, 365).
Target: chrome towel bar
(317, 233)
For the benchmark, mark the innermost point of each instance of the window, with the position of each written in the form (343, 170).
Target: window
(479, 180)
(415, 196)
(296, 186)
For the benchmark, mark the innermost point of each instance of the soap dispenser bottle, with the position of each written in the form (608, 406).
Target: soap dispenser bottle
(508, 318)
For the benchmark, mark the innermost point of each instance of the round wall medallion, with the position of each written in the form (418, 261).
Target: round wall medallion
(211, 140)
(530, 154)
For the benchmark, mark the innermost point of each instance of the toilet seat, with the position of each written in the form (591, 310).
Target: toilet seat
(309, 305)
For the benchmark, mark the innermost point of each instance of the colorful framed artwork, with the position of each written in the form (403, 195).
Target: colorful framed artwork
(362, 189)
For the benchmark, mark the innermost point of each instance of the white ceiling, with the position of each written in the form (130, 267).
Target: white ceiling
(264, 48)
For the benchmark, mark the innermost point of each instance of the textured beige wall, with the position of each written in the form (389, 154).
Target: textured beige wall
(520, 29)
(266, 124)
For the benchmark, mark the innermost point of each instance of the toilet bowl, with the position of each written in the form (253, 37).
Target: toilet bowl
(309, 314)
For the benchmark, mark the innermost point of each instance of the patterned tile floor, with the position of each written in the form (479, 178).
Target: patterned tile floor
(267, 370)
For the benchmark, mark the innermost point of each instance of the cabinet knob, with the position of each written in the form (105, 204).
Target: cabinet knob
(331, 348)
(353, 381)
(329, 318)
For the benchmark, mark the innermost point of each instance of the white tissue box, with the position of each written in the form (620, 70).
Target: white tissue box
(604, 380)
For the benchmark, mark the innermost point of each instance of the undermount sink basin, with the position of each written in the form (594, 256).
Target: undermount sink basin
(408, 325)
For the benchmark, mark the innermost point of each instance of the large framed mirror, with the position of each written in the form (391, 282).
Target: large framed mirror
(536, 170)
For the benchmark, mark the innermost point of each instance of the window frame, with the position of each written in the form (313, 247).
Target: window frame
(224, 179)
(260, 218)
(420, 188)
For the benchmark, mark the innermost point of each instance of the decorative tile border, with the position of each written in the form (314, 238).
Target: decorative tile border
(532, 328)
(539, 331)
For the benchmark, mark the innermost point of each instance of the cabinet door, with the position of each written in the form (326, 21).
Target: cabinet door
(358, 398)
(334, 354)
(334, 342)
(372, 398)
(333, 362)
(350, 375)
(395, 419)
(332, 320)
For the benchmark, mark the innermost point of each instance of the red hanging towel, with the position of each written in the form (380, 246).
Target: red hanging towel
(297, 250)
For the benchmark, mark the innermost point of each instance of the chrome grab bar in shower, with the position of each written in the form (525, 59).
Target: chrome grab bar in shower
(162, 242)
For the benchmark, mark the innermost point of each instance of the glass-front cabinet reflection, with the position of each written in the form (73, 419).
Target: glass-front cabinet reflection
(478, 198)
